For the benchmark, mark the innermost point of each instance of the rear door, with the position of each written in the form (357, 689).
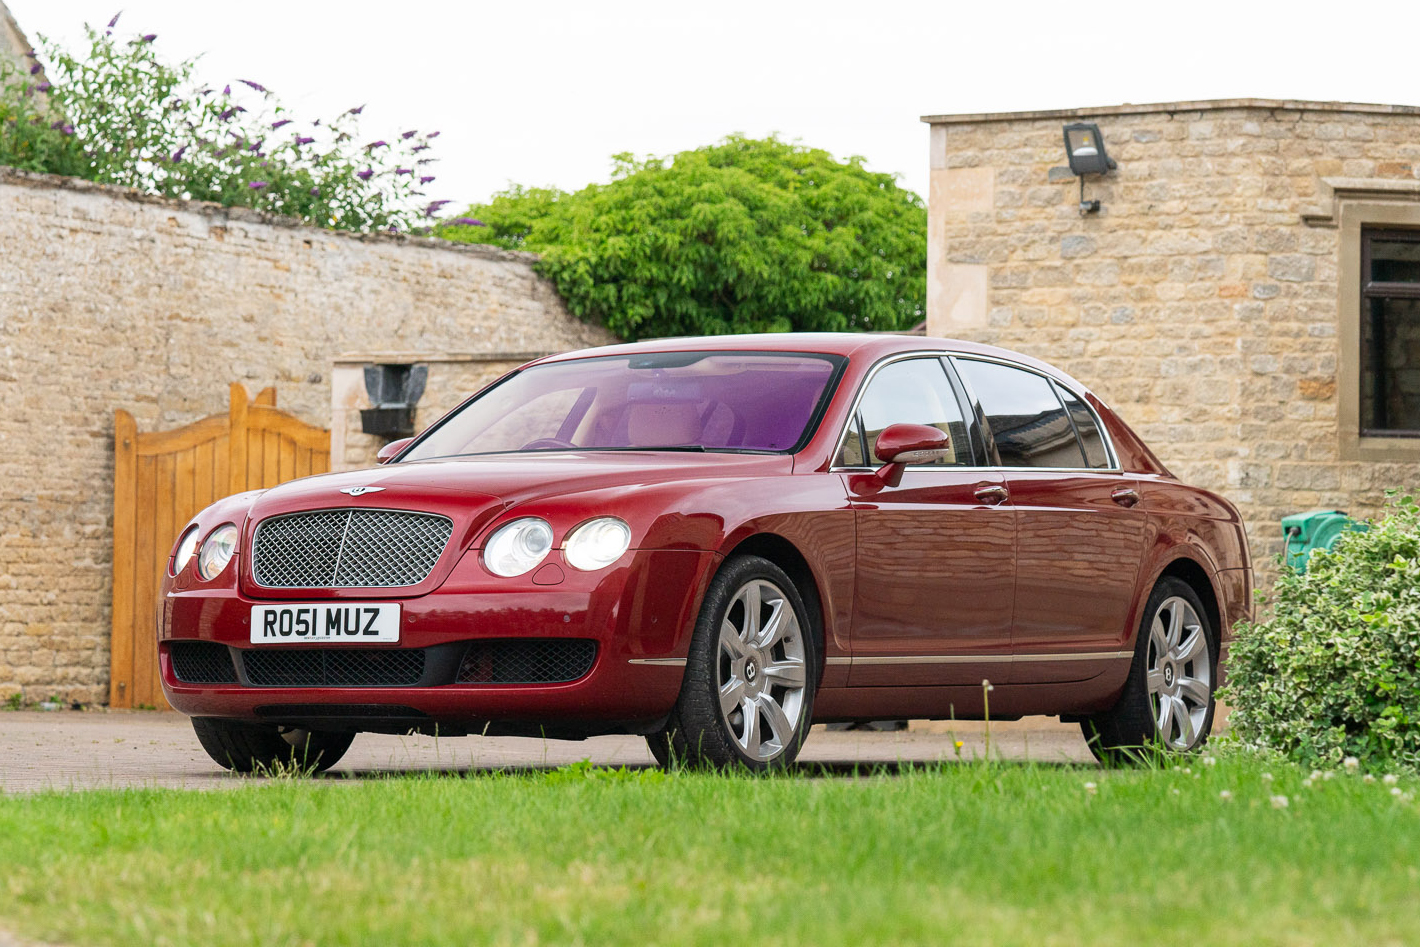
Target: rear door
(1080, 534)
(934, 554)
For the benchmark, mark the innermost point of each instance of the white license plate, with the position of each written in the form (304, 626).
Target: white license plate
(353, 624)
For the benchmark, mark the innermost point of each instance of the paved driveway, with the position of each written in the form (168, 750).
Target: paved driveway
(96, 749)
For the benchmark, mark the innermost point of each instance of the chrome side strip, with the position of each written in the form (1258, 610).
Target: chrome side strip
(935, 659)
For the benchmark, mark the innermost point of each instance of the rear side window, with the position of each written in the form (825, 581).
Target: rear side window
(1027, 420)
(915, 391)
(1090, 438)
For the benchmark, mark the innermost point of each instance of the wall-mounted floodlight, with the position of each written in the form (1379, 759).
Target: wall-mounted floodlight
(1084, 146)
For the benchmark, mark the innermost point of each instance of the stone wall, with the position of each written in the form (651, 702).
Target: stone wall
(111, 300)
(1205, 300)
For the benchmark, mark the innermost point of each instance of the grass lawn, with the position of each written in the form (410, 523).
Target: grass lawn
(958, 853)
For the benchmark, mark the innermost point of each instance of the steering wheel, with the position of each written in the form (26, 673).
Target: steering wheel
(549, 443)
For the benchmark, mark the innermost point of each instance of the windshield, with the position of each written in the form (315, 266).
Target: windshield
(711, 401)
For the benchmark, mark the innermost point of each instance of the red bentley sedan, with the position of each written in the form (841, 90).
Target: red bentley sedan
(715, 543)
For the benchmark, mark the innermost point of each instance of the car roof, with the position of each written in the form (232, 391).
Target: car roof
(855, 345)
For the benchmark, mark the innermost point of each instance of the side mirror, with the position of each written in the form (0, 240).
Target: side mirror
(392, 450)
(902, 444)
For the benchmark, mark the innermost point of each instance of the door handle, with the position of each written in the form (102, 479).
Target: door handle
(1125, 496)
(992, 493)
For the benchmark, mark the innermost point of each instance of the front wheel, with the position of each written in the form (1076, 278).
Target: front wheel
(254, 747)
(747, 697)
(1167, 701)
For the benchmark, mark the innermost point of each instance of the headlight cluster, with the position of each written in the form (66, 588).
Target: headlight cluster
(523, 544)
(215, 553)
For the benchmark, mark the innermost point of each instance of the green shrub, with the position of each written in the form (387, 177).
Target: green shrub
(1335, 671)
(743, 236)
(121, 115)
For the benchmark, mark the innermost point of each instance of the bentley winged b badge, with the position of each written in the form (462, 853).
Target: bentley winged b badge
(361, 491)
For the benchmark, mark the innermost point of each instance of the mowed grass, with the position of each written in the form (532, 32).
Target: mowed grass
(964, 853)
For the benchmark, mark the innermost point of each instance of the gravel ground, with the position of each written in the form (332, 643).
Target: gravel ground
(109, 749)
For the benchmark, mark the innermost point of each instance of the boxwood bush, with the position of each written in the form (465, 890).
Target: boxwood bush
(1335, 671)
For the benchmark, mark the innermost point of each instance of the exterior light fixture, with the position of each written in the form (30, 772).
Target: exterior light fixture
(1084, 147)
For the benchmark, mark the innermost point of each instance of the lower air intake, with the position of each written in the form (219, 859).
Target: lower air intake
(334, 667)
(527, 661)
(202, 662)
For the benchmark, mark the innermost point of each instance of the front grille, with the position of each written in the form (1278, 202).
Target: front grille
(202, 662)
(348, 549)
(334, 667)
(527, 661)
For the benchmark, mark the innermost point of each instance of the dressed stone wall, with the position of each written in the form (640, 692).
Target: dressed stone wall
(1213, 298)
(111, 300)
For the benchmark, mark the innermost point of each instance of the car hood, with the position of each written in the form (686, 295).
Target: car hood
(501, 480)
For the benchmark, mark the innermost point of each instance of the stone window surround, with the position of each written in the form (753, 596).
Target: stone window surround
(1355, 204)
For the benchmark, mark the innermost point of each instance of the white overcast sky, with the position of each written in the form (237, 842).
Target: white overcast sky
(542, 93)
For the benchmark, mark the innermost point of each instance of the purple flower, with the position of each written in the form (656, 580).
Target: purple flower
(365, 175)
(114, 22)
(230, 112)
(432, 135)
(31, 55)
(34, 70)
(284, 121)
(257, 145)
(355, 111)
(253, 85)
(408, 135)
(426, 179)
(433, 208)
(377, 144)
(256, 185)
(220, 152)
(304, 140)
(394, 228)
(315, 192)
(148, 37)
(44, 87)
(67, 129)
(177, 155)
(227, 90)
(399, 171)
(468, 222)
(419, 148)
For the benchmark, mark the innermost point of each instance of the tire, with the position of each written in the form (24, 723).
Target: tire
(1167, 703)
(247, 747)
(747, 697)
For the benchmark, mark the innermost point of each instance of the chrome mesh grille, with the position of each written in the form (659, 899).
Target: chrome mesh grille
(348, 549)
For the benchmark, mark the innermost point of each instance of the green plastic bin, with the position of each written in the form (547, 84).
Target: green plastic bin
(1314, 529)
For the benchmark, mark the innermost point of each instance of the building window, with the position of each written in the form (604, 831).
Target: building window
(1390, 333)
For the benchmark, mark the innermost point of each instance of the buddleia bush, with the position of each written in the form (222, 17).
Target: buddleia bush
(118, 113)
(1335, 671)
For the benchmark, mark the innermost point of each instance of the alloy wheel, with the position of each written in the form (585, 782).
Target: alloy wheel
(1180, 674)
(762, 673)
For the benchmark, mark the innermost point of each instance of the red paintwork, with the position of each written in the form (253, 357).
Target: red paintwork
(941, 565)
(897, 439)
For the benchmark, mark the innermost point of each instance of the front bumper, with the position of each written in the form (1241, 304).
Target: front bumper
(640, 614)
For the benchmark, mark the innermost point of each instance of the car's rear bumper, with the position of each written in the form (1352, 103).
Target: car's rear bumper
(640, 616)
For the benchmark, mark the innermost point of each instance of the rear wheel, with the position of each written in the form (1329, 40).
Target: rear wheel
(247, 747)
(1167, 702)
(747, 697)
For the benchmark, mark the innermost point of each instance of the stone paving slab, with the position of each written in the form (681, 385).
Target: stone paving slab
(116, 749)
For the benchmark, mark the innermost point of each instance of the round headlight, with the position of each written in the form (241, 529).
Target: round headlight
(597, 544)
(518, 546)
(186, 547)
(217, 551)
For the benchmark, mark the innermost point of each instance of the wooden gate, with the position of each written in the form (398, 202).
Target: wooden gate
(161, 481)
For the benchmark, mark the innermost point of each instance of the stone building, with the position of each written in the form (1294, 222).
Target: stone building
(1245, 295)
(109, 299)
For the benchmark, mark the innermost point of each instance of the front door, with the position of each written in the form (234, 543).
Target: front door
(935, 554)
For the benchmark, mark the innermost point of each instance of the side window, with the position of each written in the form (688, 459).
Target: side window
(915, 391)
(851, 455)
(1090, 438)
(1026, 418)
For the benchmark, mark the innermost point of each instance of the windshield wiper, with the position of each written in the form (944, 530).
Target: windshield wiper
(693, 448)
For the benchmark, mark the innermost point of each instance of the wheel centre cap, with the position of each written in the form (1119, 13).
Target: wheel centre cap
(1168, 675)
(751, 670)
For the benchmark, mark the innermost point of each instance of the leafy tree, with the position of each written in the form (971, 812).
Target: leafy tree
(119, 114)
(743, 236)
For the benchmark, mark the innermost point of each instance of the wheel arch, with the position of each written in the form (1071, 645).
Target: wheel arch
(786, 555)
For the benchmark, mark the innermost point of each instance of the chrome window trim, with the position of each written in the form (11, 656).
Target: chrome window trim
(989, 658)
(1114, 467)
